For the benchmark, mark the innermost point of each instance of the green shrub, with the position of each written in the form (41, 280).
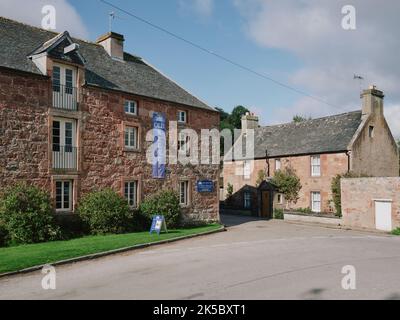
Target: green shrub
(105, 212)
(141, 221)
(396, 232)
(27, 215)
(3, 236)
(164, 203)
(278, 214)
(71, 226)
(304, 210)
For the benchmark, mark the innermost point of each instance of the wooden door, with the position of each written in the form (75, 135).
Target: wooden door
(266, 205)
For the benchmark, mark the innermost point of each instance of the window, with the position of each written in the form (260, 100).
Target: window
(64, 195)
(131, 191)
(64, 91)
(130, 107)
(131, 137)
(280, 198)
(316, 166)
(182, 116)
(278, 164)
(184, 143)
(316, 201)
(247, 169)
(184, 193)
(69, 81)
(371, 131)
(247, 200)
(56, 78)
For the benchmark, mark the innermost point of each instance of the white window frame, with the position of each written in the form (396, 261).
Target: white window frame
(278, 164)
(182, 116)
(247, 169)
(316, 201)
(184, 143)
(129, 105)
(70, 195)
(129, 193)
(279, 198)
(247, 200)
(184, 193)
(129, 144)
(315, 166)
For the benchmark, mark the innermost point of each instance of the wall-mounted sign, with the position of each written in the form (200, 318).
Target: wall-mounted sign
(159, 145)
(158, 224)
(205, 186)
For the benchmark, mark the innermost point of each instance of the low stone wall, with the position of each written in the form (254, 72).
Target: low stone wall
(359, 197)
(309, 218)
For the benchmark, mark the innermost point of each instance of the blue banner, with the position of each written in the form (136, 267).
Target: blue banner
(159, 145)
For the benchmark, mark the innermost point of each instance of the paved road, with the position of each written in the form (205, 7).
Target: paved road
(253, 260)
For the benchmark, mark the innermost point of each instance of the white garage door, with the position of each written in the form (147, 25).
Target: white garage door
(383, 215)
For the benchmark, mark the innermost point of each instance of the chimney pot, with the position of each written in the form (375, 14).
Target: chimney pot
(113, 43)
(372, 101)
(249, 121)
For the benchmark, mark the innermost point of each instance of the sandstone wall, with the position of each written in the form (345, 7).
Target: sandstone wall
(358, 200)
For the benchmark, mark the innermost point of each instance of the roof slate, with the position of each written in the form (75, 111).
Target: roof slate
(133, 75)
(317, 136)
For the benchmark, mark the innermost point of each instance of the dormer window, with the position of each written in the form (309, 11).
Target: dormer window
(131, 107)
(64, 87)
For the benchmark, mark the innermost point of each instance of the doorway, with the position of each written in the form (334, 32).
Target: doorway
(266, 210)
(383, 215)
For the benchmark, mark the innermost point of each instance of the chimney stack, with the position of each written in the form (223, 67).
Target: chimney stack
(372, 101)
(113, 43)
(249, 121)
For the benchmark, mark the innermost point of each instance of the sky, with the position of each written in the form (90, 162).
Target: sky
(300, 43)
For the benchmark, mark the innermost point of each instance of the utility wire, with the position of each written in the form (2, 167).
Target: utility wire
(236, 64)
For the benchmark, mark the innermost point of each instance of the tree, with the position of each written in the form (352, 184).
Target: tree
(235, 119)
(261, 176)
(229, 191)
(288, 183)
(297, 118)
(231, 121)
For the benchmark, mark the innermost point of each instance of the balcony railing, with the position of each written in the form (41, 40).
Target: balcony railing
(65, 157)
(65, 97)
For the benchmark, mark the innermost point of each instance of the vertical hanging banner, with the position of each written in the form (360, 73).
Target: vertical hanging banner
(159, 145)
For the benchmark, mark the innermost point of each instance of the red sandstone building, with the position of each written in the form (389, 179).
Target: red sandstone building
(318, 150)
(74, 117)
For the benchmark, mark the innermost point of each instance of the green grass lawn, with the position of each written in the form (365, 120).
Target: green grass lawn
(25, 256)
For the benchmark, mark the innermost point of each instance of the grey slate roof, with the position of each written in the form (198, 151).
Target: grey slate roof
(317, 136)
(18, 41)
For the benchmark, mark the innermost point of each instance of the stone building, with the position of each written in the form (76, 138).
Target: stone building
(74, 117)
(317, 150)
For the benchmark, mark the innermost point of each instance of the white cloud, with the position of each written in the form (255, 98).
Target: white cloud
(204, 8)
(312, 30)
(392, 113)
(30, 12)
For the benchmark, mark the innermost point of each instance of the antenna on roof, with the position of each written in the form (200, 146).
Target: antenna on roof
(360, 80)
(111, 19)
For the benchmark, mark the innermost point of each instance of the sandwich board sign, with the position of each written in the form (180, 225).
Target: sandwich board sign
(158, 224)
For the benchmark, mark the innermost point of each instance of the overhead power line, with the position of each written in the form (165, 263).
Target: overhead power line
(219, 56)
